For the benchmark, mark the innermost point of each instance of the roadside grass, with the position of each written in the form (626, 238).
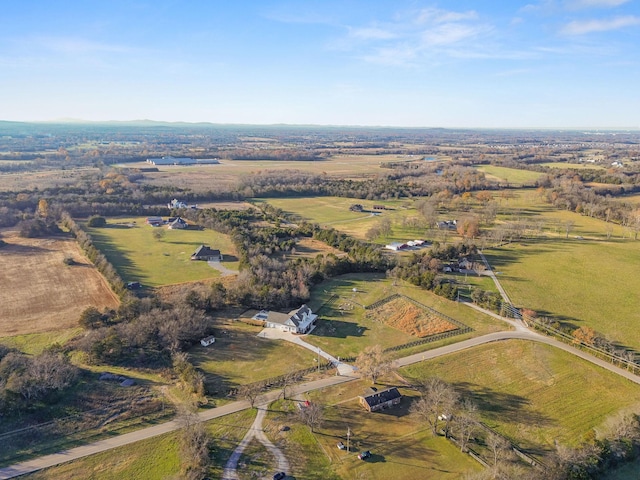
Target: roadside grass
(574, 280)
(148, 459)
(239, 357)
(255, 462)
(36, 343)
(154, 458)
(344, 329)
(510, 175)
(138, 256)
(400, 447)
(532, 393)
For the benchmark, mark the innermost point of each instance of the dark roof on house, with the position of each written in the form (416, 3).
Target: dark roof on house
(205, 251)
(296, 316)
(383, 396)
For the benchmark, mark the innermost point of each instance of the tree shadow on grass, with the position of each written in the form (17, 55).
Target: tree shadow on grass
(502, 406)
(338, 329)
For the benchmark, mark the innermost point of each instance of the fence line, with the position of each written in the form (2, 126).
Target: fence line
(569, 339)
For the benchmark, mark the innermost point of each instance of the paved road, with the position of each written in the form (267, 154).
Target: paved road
(126, 439)
(274, 333)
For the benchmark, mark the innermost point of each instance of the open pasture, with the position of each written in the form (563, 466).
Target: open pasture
(138, 256)
(334, 212)
(509, 175)
(532, 393)
(40, 292)
(584, 279)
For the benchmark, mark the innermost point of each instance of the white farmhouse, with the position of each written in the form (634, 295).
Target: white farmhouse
(296, 321)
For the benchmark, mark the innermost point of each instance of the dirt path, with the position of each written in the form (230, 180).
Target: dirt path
(256, 431)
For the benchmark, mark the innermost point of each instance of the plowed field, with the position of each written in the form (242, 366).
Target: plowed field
(409, 318)
(39, 292)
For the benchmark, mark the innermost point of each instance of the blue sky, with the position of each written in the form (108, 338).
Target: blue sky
(548, 63)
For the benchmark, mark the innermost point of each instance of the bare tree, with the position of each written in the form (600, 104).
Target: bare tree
(436, 403)
(289, 378)
(466, 423)
(372, 363)
(312, 415)
(250, 392)
(195, 443)
(500, 448)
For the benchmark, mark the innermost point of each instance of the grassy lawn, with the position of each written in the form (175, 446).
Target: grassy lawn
(239, 357)
(533, 393)
(510, 175)
(154, 458)
(405, 450)
(345, 328)
(140, 257)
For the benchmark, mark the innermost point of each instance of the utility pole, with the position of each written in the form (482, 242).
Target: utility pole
(318, 359)
(348, 438)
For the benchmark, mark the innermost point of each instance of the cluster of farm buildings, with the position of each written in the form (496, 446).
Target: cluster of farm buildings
(182, 161)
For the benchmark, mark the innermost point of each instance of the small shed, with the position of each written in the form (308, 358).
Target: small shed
(205, 342)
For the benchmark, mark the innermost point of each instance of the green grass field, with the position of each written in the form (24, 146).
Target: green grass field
(35, 343)
(344, 328)
(510, 175)
(138, 256)
(533, 393)
(334, 212)
(582, 282)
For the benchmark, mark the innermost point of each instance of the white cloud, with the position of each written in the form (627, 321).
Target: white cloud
(436, 15)
(596, 3)
(583, 27)
(410, 37)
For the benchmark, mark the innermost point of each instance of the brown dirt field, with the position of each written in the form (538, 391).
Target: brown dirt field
(40, 292)
(411, 319)
(310, 247)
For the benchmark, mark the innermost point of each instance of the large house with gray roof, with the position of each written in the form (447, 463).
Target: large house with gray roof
(296, 321)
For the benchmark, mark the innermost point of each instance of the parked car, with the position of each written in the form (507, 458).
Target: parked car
(342, 446)
(364, 455)
(279, 476)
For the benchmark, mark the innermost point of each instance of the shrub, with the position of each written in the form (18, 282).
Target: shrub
(97, 221)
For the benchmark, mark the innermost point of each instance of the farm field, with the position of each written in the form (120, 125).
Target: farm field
(509, 175)
(45, 293)
(138, 256)
(400, 448)
(571, 280)
(533, 393)
(345, 327)
(239, 357)
(334, 212)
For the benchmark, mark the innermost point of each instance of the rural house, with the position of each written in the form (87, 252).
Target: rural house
(204, 252)
(296, 321)
(178, 223)
(375, 400)
(205, 342)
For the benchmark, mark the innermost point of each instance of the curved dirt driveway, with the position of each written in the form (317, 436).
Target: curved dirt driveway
(256, 431)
